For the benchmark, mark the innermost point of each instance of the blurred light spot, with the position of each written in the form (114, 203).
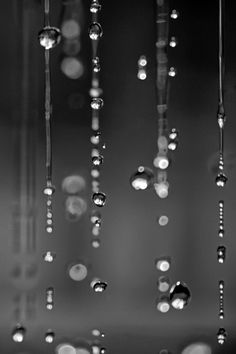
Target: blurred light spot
(95, 349)
(70, 29)
(71, 47)
(82, 351)
(197, 348)
(163, 220)
(75, 207)
(65, 349)
(77, 272)
(73, 184)
(72, 67)
(96, 332)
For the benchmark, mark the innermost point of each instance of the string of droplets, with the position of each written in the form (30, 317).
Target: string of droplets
(221, 177)
(99, 198)
(48, 37)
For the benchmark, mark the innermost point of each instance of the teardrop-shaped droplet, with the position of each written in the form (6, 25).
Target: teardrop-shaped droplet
(142, 178)
(95, 6)
(97, 103)
(98, 285)
(18, 334)
(49, 37)
(221, 179)
(221, 336)
(97, 160)
(99, 199)
(221, 254)
(95, 31)
(49, 336)
(162, 189)
(179, 295)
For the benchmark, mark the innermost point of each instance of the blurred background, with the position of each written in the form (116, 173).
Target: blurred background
(131, 237)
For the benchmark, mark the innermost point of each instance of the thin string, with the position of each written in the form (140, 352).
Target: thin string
(48, 116)
(46, 13)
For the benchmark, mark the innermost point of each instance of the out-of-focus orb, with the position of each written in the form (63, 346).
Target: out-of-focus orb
(197, 348)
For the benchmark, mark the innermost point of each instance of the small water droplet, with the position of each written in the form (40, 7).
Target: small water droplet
(142, 61)
(77, 271)
(98, 285)
(172, 72)
(104, 146)
(49, 229)
(49, 256)
(49, 336)
(173, 145)
(95, 173)
(97, 103)
(18, 334)
(163, 304)
(97, 160)
(142, 74)
(96, 332)
(163, 220)
(49, 190)
(161, 161)
(95, 31)
(221, 254)
(49, 37)
(103, 350)
(163, 263)
(49, 306)
(173, 134)
(174, 14)
(221, 336)
(96, 243)
(99, 199)
(173, 42)
(95, 6)
(96, 64)
(163, 284)
(221, 179)
(95, 215)
(179, 295)
(162, 189)
(142, 178)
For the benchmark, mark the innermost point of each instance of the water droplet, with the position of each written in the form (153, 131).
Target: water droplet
(49, 256)
(161, 161)
(173, 42)
(165, 351)
(174, 14)
(49, 37)
(162, 143)
(49, 306)
(163, 284)
(65, 348)
(221, 120)
(96, 332)
(221, 233)
(221, 336)
(95, 173)
(221, 179)
(49, 229)
(99, 199)
(104, 146)
(142, 61)
(163, 304)
(97, 160)
(95, 215)
(162, 189)
(163, 263)
(18, 334)
(96, 243)
(95, 31)
(49, 190)
(96, 64)
(103, 350)
(142, 178)
(98, 285)
(97, 103)
(49, 215)
(75, 207)
(172, 72)
(77, 271)
(142, 74)
(49, 336)
(95, 230)
(95, 6)
(173, 134)
(173, 145)
(221, 254)
(163, 220)
(95, 349)
(179, 295)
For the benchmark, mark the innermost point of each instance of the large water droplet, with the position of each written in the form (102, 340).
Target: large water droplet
(221, 254)
(221, 336)
(77, 271)
(49, 336)
(221, 179)
(99, 199)
(163, 304)
(163, 284)
(142, 178)
(95, 31)
(95, 216)
(18, 334)
(95, 6)
(98, 285)
(179, 295)
(49, 37)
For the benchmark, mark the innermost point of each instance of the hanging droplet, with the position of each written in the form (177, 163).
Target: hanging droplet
(163, 304)
(163, 284)
(179, 295)
(221, 179)
(96, 243)
(163, 263)
(96, 64)
(221, 336)
(18, 334)
(98, 285)
(99, 199)
(49, 37)
(174, 14)
(221, 254)
(98, 160)
(173, 42)
(163, 220)
(49, 256)
(49, 190)
(97, 103)
(142, 178)
(95, 6)
(95, 31)
(162, 189)
(49, 336)
(161, 161)
(172, 72)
